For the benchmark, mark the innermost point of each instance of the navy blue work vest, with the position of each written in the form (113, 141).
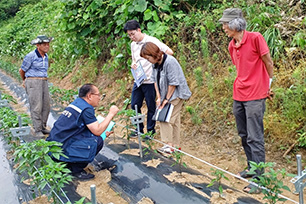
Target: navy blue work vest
(79, 144)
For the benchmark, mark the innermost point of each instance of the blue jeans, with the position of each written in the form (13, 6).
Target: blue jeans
(249, 120)
(147, 92)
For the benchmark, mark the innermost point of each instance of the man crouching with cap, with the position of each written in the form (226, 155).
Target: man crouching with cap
(33, 72)
(250, 54)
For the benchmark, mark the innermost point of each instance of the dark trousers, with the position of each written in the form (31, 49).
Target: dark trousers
(78, 167)
(249, 120)
(147, 92)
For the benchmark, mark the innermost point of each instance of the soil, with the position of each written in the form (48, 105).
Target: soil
(223, 150)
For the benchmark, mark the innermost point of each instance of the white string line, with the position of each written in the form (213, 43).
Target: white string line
(205, 162)
(53, 189)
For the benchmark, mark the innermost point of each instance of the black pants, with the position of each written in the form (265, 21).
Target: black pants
(249, 119)
(147, 92)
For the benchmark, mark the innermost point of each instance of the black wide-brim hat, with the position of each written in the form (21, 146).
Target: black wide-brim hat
(41, 39)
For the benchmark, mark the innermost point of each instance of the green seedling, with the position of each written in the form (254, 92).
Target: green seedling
(149, 142)
(219, 176)
(10, 120)
(178, 156)
(33, 158)
(55, 174)
(127, 113)
(271, 180)
(9, 98)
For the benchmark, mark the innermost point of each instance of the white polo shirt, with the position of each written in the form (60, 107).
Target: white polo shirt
(147, 66)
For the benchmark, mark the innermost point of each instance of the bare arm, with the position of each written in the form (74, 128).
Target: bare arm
(22, 74)
(169, 52)
(98, 128)
(157, 95)
(171, 90)
(269, 64)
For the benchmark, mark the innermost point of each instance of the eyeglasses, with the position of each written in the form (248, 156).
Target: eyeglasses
(97, 94)
(132, 34)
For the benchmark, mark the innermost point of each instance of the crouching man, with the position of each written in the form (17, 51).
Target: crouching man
(79, 131)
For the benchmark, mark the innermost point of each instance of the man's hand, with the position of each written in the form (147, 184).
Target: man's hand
(113, 110)
(23, 83)
(109, 133)
(158, 102)
(134, 66)
(163, 104)
(270, 95)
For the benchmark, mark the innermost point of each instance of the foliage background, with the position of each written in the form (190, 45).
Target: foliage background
(90, 43)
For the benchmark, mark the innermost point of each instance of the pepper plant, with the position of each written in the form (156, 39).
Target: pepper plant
(55, 174)
(271, 180)
(148, 138)
(127, 113)
(178, 155)
(33, 158)
(219, 176)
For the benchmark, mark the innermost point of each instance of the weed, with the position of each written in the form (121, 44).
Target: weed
(62, 96)
(122, 86)
(198, 76)
(302, 137)
(194, 115)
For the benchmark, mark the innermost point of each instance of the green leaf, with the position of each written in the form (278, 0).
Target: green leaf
(286, 188)
(140, 5)
(220, 189)
(48, 159)
(85, 16)
(147, 15)
(85, 32)
(71, 26)
(130, 9)
(158, 2)
(155, 16)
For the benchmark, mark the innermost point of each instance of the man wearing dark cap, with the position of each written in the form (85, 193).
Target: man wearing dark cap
(33, 72)
(250, 54)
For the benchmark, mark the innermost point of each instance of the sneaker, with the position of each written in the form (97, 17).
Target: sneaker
(165, 149)
(168, 150)
(45, 131)
(83, 175)
(39, 134)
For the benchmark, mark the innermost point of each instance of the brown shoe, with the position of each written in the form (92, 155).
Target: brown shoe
(45, 131)
(39, 134)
